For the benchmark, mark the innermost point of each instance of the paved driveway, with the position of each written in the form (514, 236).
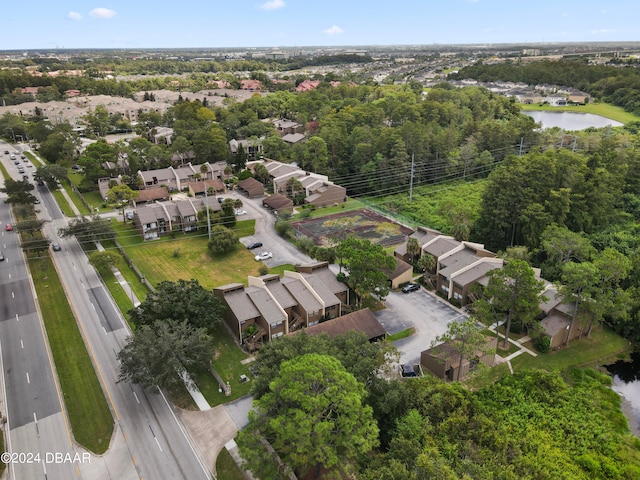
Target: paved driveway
(425, 312)
(283, 251)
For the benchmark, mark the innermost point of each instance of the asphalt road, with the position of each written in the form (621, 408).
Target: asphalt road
(149, 441)
(283, 251)
(38, 432)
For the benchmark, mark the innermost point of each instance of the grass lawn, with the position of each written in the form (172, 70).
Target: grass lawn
(186, 257)
(407, 332)
(350, 204)
(602, 345)
(226, 467)
(62, 202)
(89, 414)
(603, 109)
(75, 197)
(227, 363)
(244, 228)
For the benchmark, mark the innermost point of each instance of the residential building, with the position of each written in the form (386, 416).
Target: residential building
(445, 361)
(278, 203)
(360, 321)
(318, 189)
(272, 306)
(251, 187)
(161, 218)
(555, 319)
(253, 148)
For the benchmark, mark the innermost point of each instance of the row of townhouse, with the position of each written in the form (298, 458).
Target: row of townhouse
(161, 218)
(460, 265)
(272, 306)
(318, 189)
(173, 178)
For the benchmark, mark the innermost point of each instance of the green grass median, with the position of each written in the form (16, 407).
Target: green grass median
(87, 408)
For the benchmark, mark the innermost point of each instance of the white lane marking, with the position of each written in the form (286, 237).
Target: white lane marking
(13, 295)
(28, 379)
(21, 343)
(158, 443)
(17, 318)
(94, 307)
(105, 330)
(137, 399)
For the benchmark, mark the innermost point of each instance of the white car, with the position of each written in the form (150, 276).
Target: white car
(240, 212)
(264, 256)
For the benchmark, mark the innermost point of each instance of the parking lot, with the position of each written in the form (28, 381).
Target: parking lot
(427, 314)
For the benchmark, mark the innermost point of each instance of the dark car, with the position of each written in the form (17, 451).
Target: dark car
(408, 371)
(411, 287)
(1, 257)
(56, 247)
(220, 199)
(253, 245)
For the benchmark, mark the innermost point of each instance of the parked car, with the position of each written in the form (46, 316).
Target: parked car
(1, 257)
(253, 245)
(411, 287)
(264, 256)
(408, 371)
(240, 212)
(220, 199)
(6, 152)
(129, 215)
(8, 227)
(56, 247)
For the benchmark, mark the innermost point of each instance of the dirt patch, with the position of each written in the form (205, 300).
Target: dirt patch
(360, 223)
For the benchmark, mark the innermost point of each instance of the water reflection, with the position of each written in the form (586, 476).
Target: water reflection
(570, 121)
(626, 382)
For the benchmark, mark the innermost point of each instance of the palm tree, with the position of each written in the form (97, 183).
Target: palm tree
(413, 248)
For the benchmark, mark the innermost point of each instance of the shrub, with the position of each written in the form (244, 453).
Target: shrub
(542, 343)
(263, 270)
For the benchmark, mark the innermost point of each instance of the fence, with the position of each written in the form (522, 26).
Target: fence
(133, 267)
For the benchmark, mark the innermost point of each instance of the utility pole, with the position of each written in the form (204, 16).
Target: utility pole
(206, 205)
(411, 179)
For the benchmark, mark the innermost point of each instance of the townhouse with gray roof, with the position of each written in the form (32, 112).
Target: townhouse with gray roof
(272, 306)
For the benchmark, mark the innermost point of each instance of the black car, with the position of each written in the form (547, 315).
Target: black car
(411, 287)
(408, 371)
(253, 245)
(1, 257)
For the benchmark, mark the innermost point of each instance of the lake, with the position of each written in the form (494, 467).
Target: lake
(626, 383)
(570, 120)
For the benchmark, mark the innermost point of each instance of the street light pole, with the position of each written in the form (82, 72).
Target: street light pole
(12, 134)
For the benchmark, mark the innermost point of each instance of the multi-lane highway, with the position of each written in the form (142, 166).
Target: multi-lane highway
(149, 441)
(38, 430)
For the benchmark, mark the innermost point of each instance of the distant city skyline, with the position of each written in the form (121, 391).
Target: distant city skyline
(43, 24)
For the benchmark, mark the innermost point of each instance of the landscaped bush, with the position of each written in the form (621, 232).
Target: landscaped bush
(542, 343)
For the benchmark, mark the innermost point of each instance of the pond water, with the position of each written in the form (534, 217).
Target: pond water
(570, 120)
(626, 383)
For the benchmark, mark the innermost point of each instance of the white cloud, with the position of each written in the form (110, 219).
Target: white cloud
(272, 4)
(102, 13)
(334, 30)
(74, 16)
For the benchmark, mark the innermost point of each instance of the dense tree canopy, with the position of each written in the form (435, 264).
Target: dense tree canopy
(314, 415)
(161, 352)
(180, 301)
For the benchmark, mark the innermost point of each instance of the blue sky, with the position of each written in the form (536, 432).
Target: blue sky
(272, 23)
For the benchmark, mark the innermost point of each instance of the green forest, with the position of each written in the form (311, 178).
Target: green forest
(534, 425)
